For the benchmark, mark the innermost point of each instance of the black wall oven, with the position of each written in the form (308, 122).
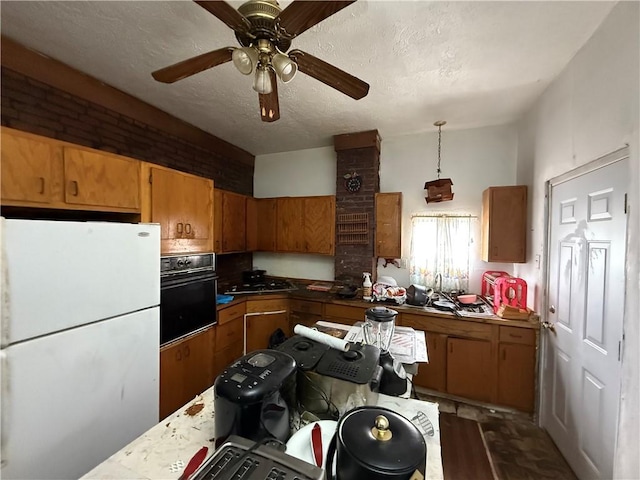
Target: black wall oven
(188, 289)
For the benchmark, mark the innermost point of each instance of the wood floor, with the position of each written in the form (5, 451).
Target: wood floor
(464, 455)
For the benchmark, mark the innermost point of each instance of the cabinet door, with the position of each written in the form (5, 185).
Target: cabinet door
(197, 207)
(319, 224)
(388, 225)
(167, 193)
(290, 225)
(516, 376)
(433, 375)
(233, 222)
(251, 221)
(469, 372)
(504, 230)
(259, 330)
(96, 179)
(186, 370)
(217, 219)
(171, 379)
(26, 169)
(266, 224)
(226, 357)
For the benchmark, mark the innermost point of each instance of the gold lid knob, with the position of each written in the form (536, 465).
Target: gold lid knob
(381, 430)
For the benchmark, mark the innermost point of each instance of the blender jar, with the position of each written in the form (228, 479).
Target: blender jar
(379, 326)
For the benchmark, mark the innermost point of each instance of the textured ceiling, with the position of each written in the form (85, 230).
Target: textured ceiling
(471, 63)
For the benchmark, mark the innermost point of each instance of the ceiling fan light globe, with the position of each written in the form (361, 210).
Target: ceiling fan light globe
(262, 81)
(285, 67)
(245, 59)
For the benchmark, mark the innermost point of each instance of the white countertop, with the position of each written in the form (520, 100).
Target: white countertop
(165, 449)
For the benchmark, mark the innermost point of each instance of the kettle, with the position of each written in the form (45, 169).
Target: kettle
(377, 444)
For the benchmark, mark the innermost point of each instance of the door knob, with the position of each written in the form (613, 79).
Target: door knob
(549, 326)
(552, 309)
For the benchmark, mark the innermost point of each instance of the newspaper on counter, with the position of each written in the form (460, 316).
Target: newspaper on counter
(407, 346)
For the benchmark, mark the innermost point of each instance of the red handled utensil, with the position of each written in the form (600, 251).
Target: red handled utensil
(316, 444)
(194, 463)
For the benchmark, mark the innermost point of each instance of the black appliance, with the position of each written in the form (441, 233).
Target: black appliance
(376, 443)
(239, 458)
(252, 397)
(188, 289)
(328, 379)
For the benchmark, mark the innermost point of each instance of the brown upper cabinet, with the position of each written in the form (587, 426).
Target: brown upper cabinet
(265, 221)
(43, 172)
(504, 224)
(183, 206)
(389, 225)
(230, 213)
(306, 224)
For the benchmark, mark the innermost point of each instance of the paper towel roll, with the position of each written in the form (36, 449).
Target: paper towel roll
(320, 337)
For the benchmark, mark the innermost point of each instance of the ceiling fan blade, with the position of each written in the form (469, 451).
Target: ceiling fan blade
(227, 14)
(301, 15)
(269, 106)
(194, 65)
(330, 75)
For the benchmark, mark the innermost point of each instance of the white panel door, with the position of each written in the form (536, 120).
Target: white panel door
(65, 274)
(72, 399)
(581, 369)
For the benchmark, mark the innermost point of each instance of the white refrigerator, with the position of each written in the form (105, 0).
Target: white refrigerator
(80, 343)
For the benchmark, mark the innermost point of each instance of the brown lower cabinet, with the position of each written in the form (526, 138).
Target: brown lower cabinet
(186, 370)
(263, 318)
(229, 336)
(304, 312)
(469, 371)
(484, 362)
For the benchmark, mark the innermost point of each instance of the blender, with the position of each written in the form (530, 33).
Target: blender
(378, 328)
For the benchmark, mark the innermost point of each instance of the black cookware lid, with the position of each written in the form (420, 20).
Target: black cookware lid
(381, 314)
(404, 451)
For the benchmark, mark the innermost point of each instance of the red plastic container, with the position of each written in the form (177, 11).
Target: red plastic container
(511, 291)
(489, 279)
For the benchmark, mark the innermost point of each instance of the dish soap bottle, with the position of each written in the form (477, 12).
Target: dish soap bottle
(366, 286)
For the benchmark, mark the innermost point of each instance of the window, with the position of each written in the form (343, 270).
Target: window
(440, 244)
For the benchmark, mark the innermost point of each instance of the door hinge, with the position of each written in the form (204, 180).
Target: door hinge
(625, 203)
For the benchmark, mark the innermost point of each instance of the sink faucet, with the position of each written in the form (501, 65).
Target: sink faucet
(436, 279)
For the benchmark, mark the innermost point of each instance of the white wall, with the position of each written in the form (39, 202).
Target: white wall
(590, 110)
(474, 159)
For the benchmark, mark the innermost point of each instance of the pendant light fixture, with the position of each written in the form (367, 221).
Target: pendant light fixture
(439, 190)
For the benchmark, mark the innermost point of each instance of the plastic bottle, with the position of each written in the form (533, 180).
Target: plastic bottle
(366, 286)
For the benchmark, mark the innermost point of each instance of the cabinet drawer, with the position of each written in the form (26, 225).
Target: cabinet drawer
(525, 336)
(455, 328)
(229, 332)
(230, 313)
(339, 312)
(273, 305)
(305, 306)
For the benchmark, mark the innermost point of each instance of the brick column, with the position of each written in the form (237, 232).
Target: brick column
(360, 153)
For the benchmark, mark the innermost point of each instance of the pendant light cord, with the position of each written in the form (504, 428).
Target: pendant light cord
(439, 140)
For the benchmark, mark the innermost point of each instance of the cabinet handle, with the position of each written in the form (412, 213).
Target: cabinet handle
(41, 185)
(179, 355)
(187, 229)
(451, 348)
(513, 335)
(504, 354)
(187, 351)
(74, 184)
(217, 245)
(179, 228)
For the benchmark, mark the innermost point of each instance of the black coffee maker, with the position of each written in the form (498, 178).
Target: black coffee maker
(378, 330)
(252, 397)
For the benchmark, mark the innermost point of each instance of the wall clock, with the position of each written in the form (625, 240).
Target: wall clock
(352, 182)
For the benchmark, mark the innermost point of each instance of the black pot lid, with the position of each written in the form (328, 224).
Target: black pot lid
(404, 451)
(381, 314)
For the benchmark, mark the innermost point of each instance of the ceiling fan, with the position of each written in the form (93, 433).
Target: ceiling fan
(265, 32)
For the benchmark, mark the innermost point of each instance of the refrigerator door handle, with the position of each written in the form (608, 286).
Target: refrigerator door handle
(5, 411)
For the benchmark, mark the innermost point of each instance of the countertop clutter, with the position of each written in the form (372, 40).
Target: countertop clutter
(165, 449)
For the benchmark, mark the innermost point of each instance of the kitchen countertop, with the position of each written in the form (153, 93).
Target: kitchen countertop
(165, 449)
(303, 294)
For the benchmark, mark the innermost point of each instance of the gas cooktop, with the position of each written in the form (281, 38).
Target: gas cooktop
(268, 286)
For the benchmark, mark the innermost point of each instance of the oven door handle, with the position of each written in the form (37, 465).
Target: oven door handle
(172, 282)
